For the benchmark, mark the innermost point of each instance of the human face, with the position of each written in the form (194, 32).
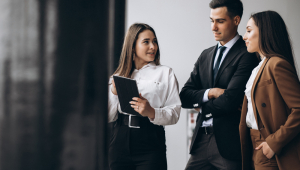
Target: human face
(224, 28)
(251, 37)
(145, 48)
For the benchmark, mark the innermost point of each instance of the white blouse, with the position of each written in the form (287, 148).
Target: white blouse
(250, 118)
(158, 84)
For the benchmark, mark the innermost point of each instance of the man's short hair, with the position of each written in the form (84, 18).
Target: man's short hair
(234, 7)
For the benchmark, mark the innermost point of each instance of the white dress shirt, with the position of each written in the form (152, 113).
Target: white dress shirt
(228, 46)
(158, 84)
(250, 118)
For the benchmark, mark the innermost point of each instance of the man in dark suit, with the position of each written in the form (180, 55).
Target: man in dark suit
(216, 89)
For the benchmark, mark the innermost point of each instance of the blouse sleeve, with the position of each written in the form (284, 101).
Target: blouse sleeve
(170, 112)
(113, 104)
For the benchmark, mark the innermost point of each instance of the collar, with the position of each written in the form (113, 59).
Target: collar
(150, 64)
(230, 43)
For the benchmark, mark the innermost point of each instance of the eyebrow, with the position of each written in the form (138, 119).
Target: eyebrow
(148, 39)
(218, 19)
(248, 26)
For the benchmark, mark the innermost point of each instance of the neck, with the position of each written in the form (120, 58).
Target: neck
(139, 64)
(224, 42)
(261, 55)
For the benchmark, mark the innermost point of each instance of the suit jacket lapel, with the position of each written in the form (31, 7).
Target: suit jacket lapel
(235, 50)
(254, 86)
(211, 56)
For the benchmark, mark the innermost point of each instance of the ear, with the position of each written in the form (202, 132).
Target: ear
(237, 20)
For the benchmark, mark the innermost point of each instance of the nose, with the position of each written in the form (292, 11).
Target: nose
(152, 46)
(245, 36)
(214, 26)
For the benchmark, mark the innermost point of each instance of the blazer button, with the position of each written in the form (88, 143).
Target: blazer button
(263, 105)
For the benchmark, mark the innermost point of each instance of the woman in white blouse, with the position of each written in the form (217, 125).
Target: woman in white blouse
(270, 118)
(139, 142)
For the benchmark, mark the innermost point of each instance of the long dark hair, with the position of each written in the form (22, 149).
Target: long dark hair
(274, 39)
(126, 63)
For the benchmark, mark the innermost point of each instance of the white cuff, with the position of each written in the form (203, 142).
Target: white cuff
(157, 117)
(205, 96)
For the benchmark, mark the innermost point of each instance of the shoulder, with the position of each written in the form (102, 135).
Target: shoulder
(205, 54)
(276, 60)
(165, 69)
(241, 46)
(207, 50)
(245, 56)
(278, 63)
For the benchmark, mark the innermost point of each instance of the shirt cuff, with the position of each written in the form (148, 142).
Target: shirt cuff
(158, 116)
(205, 96)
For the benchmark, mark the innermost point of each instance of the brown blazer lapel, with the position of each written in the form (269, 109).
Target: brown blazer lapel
(254, 86)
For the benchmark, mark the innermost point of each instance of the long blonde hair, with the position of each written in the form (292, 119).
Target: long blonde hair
(126, 63)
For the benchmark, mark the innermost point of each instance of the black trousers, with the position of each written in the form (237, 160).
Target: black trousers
(137, 148)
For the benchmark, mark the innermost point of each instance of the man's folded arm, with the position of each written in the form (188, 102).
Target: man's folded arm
(232, 97)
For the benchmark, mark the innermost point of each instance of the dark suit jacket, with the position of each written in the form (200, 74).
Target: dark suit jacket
(275, 99)
(233, 75)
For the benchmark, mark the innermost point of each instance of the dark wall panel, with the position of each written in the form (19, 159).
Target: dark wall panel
(54, 68)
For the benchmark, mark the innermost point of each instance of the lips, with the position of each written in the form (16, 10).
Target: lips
(217, 33)
(151, 53)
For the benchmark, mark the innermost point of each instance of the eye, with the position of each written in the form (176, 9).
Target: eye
(221, 21)
(155, 41)
(146, 42)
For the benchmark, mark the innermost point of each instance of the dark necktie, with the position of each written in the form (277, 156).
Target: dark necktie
(222, 48)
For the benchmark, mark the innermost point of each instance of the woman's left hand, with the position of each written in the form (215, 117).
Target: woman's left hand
(267, 151)
(142, 106)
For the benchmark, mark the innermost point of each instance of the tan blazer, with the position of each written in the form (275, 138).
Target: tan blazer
(276, 101)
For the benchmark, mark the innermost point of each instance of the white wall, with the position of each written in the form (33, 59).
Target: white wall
(183, 31)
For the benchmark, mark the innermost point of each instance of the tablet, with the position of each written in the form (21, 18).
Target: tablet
(126, 89)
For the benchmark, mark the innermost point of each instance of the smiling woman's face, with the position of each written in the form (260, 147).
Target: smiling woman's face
(145, 48)
(251, 37)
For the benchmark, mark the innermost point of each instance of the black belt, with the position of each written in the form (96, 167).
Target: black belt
(130, 120)
(206, 130)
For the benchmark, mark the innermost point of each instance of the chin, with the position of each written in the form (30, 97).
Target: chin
(251, 51)
(152, 58)
(218, 39)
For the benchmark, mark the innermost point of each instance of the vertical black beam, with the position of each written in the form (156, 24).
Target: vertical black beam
(116, 31)
(41, 133)
(78, 122)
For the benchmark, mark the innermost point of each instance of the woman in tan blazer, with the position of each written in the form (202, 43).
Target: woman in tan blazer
(270, 119)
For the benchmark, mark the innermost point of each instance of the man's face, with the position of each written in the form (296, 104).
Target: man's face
(224, 28)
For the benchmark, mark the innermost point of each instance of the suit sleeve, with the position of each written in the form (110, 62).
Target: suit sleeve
(233, 96)
(192, 92)
(289, 87)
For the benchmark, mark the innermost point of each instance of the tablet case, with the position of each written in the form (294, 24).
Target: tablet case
(126, 89)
